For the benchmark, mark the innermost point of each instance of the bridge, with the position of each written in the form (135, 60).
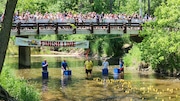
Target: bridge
(32, 29)
(28, 29)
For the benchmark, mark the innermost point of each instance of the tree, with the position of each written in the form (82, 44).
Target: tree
(32, 5)
(160, 46)
(6, 29)
(126, 6)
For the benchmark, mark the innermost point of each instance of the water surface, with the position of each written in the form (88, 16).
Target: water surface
(134, 87)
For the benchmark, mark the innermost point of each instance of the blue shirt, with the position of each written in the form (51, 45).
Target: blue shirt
(44, 68)
(64, 65)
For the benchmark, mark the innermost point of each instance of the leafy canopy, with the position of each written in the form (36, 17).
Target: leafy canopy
(161, 44)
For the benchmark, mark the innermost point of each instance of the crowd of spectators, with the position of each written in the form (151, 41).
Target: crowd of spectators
(27, 17)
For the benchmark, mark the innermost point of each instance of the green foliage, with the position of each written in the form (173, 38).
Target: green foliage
(32, 6)
(84, 6)
(49, 37)
(12, 48)
(109, 45)
(160, 46)
(168, 15)
(131, 6)
(17, 88)
(106, 50)
(133, 57)
(153, 5)
(96, 46)
(2, 6)
(101, 6)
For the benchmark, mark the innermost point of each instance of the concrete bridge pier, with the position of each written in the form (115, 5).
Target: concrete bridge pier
(24, 57)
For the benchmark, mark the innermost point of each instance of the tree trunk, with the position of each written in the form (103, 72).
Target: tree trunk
(111, 6)
(148, 8)
(6, 29)
(4, 95)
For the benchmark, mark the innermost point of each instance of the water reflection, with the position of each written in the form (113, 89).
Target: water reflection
(44, 85)
(65, 79)
(116, 76)
(104, 80)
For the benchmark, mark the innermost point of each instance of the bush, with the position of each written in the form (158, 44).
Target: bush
(133, 57)
(18, 88)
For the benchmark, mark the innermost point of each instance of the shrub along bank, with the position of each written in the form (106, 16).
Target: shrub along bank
(18, 88)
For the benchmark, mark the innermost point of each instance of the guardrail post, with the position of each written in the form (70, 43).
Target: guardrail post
(140, 26)
(92, 28)
(124, 28)
(109, 28)
(18, 28)
(74, 28)
(56, 28)
(37, 24)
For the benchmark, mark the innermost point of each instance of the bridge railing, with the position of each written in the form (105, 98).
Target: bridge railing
(57, 27)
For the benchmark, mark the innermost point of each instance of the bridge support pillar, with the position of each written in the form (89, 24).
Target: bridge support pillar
(24, 57)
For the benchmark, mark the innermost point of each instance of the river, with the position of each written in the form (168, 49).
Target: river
(135, 86)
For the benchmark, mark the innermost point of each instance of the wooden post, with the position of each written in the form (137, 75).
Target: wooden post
(109, 28)
(125, 28)
(91, 26)
(18, 28)
(56, 28)
(37, 28)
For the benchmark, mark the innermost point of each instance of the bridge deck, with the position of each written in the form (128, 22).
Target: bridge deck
(21, 29)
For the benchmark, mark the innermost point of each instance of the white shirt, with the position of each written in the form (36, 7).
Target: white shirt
(105, 64)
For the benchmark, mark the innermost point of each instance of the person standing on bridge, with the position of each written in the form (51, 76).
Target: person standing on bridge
(45, 65)
(88, 67)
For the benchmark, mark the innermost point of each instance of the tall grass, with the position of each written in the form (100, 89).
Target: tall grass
(18, 88)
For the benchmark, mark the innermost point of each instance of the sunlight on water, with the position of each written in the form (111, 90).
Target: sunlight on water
(134, 87)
